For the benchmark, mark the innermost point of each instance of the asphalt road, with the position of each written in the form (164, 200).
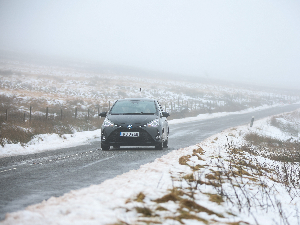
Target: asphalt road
(30, 179)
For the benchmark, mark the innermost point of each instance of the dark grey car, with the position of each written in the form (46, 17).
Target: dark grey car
(135, 122)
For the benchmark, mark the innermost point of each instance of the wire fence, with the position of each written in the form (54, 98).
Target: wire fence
(177, 108)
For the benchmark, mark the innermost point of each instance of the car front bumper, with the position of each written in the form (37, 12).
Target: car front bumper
(147, 137)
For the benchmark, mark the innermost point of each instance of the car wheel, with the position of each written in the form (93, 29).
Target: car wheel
(159, 146)
(165, 144)
(105, 147)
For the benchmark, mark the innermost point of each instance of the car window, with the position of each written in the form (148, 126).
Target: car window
(134, 107)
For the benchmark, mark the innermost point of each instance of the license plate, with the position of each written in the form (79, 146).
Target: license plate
(129, 134)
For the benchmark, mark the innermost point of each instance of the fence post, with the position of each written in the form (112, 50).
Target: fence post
(61, 114)
(252, 120)
(75, 112)
(6, 117)
(30, 114)
(46, 113)
(24, 117)
(98, 113)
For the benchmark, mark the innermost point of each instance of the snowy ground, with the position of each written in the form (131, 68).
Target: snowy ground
(63, 99)
(63, 87)
(214, 182)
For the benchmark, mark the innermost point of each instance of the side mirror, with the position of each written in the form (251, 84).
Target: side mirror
(103, 114)
(165, 114)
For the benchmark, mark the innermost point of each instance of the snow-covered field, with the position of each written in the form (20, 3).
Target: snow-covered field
(73, 87)
(40, 99)
(213, 182)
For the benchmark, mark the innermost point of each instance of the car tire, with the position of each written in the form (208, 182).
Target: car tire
(159, 146)
(105, 147)
(165, 144)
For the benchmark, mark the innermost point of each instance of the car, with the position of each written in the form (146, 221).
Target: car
(135, 122)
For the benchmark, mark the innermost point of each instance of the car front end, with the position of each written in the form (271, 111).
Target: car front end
(136, 132)
(126, 127)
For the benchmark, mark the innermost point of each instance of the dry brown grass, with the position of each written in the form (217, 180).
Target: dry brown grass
(284, 151)
(144, 211)
(140, 197)
(183, 160)
(185, 215)
(216, 198)
(240, 174)
(168, 197)
(22, 132)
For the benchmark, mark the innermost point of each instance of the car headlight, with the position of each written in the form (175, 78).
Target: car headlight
(153, 123)
(108, 123)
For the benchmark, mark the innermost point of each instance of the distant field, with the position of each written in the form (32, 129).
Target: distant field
(65, 99)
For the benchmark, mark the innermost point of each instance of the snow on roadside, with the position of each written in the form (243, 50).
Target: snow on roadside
(100, 204)
(221, 114)
(115, 200)
(45, 142)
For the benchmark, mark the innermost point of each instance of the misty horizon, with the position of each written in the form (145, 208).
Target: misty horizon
(255, 42)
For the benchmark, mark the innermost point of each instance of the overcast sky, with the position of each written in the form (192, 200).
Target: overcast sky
(248, 40)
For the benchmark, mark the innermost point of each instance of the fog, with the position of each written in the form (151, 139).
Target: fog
(255, 41)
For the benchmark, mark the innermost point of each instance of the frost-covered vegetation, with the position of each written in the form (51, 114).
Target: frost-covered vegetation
(73, 97)
(243, 176)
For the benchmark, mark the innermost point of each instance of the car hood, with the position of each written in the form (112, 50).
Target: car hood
(135, 120)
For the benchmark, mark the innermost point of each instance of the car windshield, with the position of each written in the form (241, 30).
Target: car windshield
(134, 107)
